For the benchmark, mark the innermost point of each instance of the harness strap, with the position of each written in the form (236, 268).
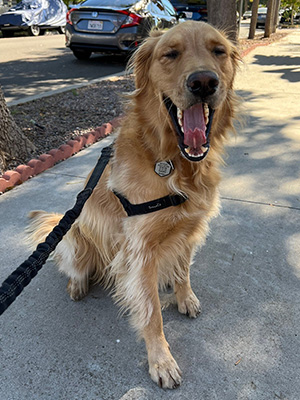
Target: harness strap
(22, 276)
(150, 206)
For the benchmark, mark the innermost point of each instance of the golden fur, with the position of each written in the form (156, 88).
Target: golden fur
(136, 255)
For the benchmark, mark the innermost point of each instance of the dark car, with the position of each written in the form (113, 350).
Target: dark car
(34, 16)
(191, 9)
(115, 26)
(261, 17)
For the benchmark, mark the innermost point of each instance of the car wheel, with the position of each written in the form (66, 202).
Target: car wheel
(34, 30)
(82, 54)
(62, 30)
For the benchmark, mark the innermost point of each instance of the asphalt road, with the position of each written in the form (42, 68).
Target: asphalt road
(34, 65)
(31, 66)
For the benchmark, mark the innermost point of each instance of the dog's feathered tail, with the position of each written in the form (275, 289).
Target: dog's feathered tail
(41, 225)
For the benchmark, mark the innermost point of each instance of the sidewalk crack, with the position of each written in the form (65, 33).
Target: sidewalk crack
(261, 203)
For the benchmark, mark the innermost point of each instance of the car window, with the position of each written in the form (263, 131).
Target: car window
(158, 7)
(168, 7)
(21, 6)
(141, 7)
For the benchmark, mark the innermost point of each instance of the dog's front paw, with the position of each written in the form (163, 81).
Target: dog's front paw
(78, 289)
(166, 373)
(190, 305)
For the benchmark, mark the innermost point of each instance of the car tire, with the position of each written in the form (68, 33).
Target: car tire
(82, 54)
(34, 30)
(62, 30)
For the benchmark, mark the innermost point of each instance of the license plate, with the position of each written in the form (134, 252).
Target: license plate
(95, 25)
(188, 14)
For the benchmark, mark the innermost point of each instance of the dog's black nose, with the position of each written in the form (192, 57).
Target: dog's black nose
(203, 83)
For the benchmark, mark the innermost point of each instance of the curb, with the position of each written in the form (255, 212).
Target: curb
(22, 173)
(249, 49)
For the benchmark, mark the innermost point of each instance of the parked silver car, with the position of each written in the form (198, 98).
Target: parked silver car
(115, 26)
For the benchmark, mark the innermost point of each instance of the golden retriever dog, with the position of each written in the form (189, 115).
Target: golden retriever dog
(170, 144)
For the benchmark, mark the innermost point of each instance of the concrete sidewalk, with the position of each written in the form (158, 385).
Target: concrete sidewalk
(246, 343)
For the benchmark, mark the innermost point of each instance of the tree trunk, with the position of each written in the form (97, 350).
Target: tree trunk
(14, 146)
(253, 19)
(222, 15)
(276, 13)
(269, 18)
(292, 15)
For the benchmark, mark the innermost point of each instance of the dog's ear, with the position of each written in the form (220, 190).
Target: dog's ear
(235, 60)
(235, 55)
(141, 60)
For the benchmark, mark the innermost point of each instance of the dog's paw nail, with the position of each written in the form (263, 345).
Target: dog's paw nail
(166, 373)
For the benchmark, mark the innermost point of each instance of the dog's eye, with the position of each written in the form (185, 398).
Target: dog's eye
(219, 51)
(172, 54)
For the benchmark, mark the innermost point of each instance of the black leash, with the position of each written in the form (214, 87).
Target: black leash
(22, 276)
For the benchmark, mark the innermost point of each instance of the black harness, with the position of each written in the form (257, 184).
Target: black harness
(153, 205)
(150, 206)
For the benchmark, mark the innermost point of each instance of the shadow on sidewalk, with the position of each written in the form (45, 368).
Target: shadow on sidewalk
(291, 74)
(53, 72)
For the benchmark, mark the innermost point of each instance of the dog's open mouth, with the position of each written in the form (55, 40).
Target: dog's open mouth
(192, 127)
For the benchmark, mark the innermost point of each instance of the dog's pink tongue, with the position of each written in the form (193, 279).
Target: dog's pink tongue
(194, 127)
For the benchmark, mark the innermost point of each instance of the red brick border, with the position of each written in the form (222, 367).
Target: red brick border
(247, 51)
(34, 167)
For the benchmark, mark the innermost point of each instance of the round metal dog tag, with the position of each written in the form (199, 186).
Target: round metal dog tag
(164, 168)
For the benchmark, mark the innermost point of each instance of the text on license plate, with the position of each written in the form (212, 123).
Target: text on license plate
(188, 14)
(95, 25)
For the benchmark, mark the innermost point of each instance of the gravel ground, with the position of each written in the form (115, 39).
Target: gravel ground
(52, 121)
(244, 44)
